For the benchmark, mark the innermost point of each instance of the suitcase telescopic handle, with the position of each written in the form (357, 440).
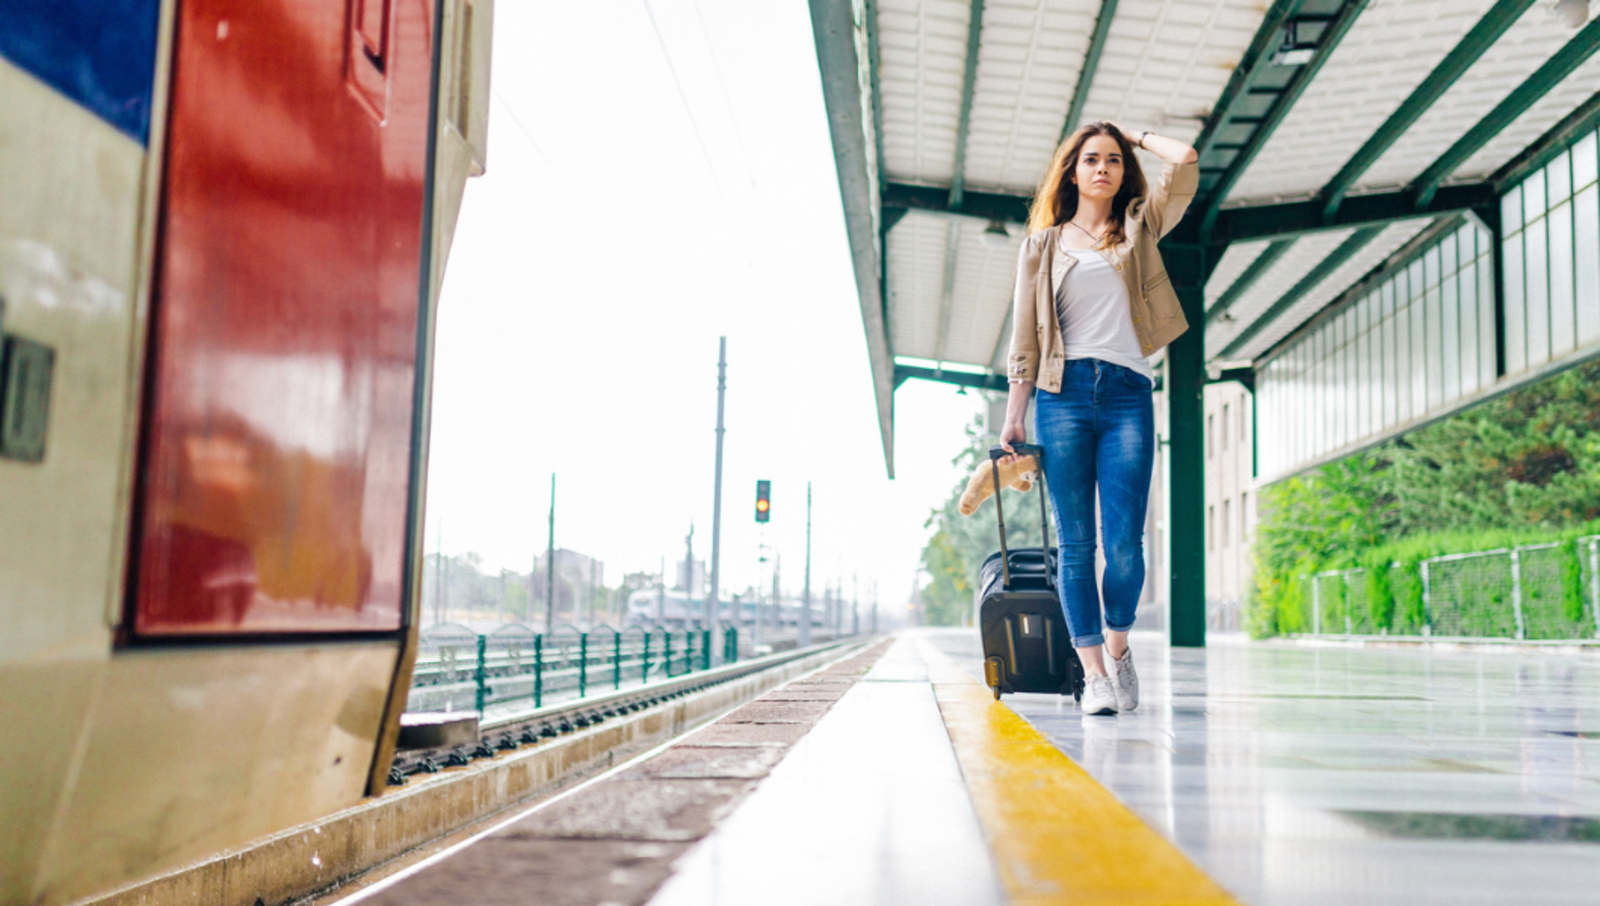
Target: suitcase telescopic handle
(996, 453)
(999, 452)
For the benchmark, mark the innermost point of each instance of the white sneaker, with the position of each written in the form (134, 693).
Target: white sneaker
(1099, 695)
(1125, 680)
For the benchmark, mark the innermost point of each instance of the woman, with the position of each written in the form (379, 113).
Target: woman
(1093, 302)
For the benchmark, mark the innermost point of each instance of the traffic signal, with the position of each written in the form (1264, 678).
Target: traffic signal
(763, 501)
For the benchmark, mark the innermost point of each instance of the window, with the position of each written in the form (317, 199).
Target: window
(1242, 437)
(1227, 523)
(1211, 429)
(1225, 424)
(1211, 528)
(1244, 516)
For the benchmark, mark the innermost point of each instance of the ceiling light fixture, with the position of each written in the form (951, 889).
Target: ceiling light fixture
(996, 236)
(1294, 50)
(1572, 13)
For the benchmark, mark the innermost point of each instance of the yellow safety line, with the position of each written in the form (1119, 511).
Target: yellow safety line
(1057, 835)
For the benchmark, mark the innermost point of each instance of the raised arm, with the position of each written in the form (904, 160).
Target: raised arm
(1174, 188)
(1170, 150)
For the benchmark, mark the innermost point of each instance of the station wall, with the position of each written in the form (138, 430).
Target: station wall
(1551, 222)
(1428, 336)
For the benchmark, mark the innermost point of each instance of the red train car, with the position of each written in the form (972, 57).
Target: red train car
(223, 227)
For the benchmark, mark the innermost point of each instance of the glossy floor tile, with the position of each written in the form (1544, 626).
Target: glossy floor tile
(867, 808)
(1344, 775)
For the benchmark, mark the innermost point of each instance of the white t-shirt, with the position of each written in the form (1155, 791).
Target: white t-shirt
(1092, 310)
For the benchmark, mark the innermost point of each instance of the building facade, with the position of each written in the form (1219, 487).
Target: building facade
(1230, 502)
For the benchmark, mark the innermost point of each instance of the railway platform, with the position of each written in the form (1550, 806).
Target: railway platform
(1250, 774)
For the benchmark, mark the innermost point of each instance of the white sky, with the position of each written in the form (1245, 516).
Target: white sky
(595, 266)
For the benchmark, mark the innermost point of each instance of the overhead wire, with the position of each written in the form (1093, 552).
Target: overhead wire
(683, 98)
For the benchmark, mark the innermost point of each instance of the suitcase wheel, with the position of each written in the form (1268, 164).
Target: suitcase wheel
(994, 674)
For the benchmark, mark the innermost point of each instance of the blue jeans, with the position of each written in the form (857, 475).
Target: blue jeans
(1098, 431)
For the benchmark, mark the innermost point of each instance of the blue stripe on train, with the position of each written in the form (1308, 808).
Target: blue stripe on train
(100, 53)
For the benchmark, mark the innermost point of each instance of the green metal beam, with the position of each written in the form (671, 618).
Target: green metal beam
(1264, 261)
(1300, 217)
(958, 178)
(1558, 67)
(833, 29)
(1396, 263)
(1336, 259)
(1189, 266)
(1091, 65)
(903, 373)
(936, 199)
(1555, 140)
(1255, 61)
(1257, 76)
(1480, 38)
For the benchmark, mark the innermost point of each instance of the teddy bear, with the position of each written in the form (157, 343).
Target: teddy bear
(1015, 472)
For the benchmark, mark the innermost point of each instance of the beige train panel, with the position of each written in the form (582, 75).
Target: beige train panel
(462, 132)
(463, 126)
(43, 712)
(193, 751)
(68, 272)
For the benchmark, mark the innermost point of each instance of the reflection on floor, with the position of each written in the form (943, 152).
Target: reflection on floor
(869, 807)
(1311, 776)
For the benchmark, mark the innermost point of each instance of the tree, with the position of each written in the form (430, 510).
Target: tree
(1520, 468)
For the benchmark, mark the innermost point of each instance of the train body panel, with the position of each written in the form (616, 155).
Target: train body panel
(70, 190)
(197, 749)
(258, 281)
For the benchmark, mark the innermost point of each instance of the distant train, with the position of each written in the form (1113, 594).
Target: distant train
(223, 233)
(674, 610)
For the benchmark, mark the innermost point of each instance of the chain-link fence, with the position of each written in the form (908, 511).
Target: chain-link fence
(1534, 591)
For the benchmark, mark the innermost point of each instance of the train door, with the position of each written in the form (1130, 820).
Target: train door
(273, 486)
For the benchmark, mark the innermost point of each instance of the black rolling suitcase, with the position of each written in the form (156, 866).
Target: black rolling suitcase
(1026, 646)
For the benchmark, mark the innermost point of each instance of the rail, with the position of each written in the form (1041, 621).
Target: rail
(513, 727)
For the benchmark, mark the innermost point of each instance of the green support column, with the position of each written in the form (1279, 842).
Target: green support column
(1188, 266)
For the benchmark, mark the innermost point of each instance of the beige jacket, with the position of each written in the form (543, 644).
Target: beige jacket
(1037, 352)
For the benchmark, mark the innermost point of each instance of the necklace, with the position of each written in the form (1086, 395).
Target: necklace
(1097, 239)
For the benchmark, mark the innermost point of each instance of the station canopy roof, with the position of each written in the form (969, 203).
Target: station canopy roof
(1331, 133)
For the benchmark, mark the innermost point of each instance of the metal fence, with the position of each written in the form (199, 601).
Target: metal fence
(1533, 591)
(460, 669)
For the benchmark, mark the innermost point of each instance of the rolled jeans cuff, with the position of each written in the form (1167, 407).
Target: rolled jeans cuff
(1089, 641)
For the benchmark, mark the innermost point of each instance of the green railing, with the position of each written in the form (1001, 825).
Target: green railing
(1528, 592)
(459, 669)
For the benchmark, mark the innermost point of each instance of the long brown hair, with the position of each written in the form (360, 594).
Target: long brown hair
(1057, 198)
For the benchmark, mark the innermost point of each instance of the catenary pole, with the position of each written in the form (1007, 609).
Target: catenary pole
(805, 598)
(550, 564)
(716, 504)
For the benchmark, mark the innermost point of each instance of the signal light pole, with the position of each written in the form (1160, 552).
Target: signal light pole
(550, 564)
(805, 608)
(763, 515)
(716, 505)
